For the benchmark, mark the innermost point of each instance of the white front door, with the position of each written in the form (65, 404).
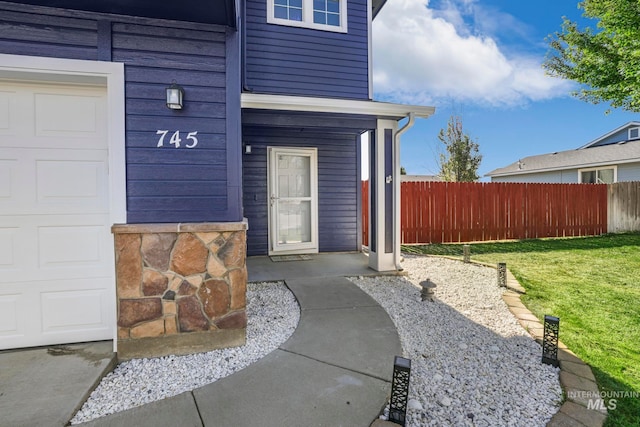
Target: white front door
(293, 201)
(56, 250)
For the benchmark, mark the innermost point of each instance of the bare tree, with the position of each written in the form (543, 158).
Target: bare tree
(461, 160)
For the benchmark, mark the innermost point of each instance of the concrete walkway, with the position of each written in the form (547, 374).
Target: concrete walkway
(335, 370)
(46, 386)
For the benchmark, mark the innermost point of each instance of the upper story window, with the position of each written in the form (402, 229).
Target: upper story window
(326, 15)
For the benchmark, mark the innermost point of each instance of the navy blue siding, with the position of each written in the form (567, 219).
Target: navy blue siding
(183, 184)
(339, 222)
(300, 61)
(163, 184)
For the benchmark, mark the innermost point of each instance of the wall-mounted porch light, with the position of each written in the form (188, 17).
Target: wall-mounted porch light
(175, 96)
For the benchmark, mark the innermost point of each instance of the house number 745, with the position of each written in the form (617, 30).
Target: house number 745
(175, 140)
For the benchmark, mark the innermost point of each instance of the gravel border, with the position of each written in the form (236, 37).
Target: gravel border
(273, 314)
(472, 363)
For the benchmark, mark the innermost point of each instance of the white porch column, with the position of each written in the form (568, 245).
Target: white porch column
(382, 245)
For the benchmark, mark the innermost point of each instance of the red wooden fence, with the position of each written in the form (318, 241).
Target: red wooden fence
(443, 212)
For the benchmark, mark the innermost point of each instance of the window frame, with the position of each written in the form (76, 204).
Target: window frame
(307, 18)
(629, 137)
(614, 167)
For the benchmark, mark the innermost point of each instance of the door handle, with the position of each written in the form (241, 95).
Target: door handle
(273, 199)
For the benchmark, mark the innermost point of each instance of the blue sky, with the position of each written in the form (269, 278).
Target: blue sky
(482, 60)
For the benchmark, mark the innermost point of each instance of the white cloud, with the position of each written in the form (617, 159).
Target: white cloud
(421, 56)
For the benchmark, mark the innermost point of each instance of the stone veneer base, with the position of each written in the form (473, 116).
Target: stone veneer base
(195, 342)
(181, 288)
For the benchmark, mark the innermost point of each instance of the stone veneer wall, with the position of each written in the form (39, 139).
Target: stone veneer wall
(181, 288)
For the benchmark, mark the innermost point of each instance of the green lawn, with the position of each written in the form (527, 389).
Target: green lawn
(593, 285)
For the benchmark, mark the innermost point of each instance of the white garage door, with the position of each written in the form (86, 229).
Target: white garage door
(56, 269)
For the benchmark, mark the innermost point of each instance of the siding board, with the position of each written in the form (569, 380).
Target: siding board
(14, 47)
(156, 91)
(217, 35)
(160, 172)
(179, 46)
(168, 60)
(32, 20)
(145, 140)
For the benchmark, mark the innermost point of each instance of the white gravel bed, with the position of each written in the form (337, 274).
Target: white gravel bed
(273, 315)
(472, 364)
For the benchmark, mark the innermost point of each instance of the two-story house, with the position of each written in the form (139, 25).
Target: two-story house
(147, 147)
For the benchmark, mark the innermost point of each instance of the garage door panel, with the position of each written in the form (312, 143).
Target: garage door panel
(11, 305)
(48, 181)
(8, 172)
(56, 248)
(73, 116)
(77, 310)
(17, 259)
(67, 311)
(5, 97)
(70, 182)
(70, 247)
(8, 247)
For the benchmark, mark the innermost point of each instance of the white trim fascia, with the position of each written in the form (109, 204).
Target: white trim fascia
(595, 141)
(569, 167)
(333, 105)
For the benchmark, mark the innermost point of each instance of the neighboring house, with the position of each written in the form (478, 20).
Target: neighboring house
(613, 157)
(260, 157)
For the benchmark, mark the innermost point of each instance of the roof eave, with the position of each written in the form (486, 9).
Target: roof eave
(567, 167)
(382, 110)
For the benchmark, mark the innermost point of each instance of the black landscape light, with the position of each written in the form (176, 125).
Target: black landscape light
(550, 340)
(502, 274)
(399, 390)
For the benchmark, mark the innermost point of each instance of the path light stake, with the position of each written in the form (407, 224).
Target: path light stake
(466, 253)
(502, 274)
(399, 390)
(550, 340)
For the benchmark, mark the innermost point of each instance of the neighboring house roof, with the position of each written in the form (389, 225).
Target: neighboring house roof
(613, 132)
(419, 178)
(622, 152)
